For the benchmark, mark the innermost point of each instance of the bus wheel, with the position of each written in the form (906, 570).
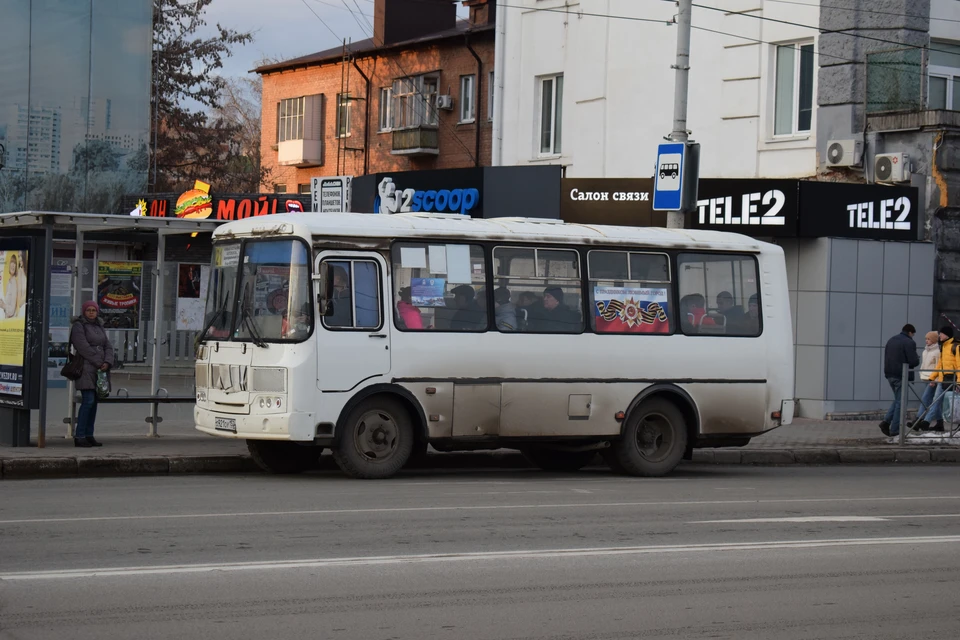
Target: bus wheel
(377, 439)
(284, 457)
(558, 460)
(653, 441)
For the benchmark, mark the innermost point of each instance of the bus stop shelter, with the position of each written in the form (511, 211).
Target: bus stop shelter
(45, 228)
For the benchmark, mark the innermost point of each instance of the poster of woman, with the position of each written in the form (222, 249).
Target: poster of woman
(14, 299)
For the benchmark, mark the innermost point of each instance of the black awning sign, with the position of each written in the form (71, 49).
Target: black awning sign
(759, 208)
(891, 214)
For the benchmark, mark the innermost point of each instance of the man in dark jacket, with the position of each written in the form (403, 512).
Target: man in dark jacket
(469, 315)
(555, 316)
(900, 350)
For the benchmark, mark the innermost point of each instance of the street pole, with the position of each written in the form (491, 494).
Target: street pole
(682, 69)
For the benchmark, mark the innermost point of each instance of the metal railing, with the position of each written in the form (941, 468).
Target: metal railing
(133, 346)
(123, 397)
(947, 395)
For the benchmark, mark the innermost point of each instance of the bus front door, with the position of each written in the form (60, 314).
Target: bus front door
(353, 339)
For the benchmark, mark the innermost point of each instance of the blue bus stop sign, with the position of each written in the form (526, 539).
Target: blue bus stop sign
(668, 179)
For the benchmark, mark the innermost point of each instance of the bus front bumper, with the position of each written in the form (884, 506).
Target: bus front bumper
(298, 427)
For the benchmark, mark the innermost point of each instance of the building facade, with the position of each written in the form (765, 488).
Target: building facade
(74, 103)
(857, 92)
(415, 96)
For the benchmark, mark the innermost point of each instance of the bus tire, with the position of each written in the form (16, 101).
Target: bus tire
(284, 457)
(376, 440)
(653, 441)
(562, 461)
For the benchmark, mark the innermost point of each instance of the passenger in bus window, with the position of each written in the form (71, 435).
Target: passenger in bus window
(728, 307)
(506, 310)
(469, 315)
(342, 312)
(410, 315)
(692, 310)
(556, 317)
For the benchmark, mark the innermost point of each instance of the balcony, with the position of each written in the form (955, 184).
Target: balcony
(914, 120)
(300, 153)
(418, 141)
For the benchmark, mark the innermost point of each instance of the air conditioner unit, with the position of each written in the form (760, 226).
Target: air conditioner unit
(891, 167)
(445, 102)
(844, 153)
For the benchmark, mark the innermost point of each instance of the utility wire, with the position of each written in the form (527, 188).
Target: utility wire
(876, 11)
(354, 15)
(425, 101)
(842, 32)
(335, 6)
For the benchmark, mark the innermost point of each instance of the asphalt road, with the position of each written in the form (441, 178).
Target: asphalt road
(720, 552)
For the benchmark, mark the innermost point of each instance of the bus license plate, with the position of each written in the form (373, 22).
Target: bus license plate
(225, 424)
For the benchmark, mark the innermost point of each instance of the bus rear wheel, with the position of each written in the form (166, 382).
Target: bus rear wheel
(653, 440)
(284, 457)
(563, 461)
(376, 441)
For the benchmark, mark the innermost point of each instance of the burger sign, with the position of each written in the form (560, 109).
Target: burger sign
(195, 203)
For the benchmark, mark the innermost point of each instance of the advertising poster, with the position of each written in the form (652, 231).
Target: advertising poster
(61, 301)
(191, 296)
(13, 320)
(271, 289)
(427, 292)
(118, 292)
(630, 310)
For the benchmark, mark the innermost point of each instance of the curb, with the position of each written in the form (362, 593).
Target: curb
(115, 466)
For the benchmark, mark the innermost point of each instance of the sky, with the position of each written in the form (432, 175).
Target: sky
(289, 29)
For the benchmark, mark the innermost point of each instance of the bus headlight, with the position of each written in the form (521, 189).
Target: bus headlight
(201, 396)
(263, 403)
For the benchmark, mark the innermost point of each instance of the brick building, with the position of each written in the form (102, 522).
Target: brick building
(417, 95)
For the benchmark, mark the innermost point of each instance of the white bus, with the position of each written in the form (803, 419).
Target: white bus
(378, 335)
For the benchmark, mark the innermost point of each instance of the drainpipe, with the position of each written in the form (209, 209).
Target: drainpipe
(476, 101)
(499, 63)
(366, 120)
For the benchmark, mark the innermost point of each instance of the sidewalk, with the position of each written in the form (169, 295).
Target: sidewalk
(181, 449)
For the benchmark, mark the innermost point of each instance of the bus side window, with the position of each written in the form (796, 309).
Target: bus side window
(630, 292)
(719, 294)
(355, 296)
(544, 289)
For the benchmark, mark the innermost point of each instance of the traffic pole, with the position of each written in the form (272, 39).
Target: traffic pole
(682, 77)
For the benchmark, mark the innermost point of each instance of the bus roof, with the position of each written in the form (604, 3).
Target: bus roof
(447, 226)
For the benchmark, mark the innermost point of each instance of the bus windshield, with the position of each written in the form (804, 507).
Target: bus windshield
(272, 280)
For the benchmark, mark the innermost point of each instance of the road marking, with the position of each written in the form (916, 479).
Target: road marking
(531, 554)
(491, 507)
(797, 519)
(828, 519)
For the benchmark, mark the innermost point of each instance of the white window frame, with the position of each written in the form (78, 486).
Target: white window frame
(952, 76)
(386, 108)
(415, 102)
(290, 123)
(555, 145)
(343, 111)
(795, 131)
(468, 103)
(490, 90)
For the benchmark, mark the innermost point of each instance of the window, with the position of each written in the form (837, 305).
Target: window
(467, 102)
(629, 292)
(343, 115)
(439, 287)
(551, 114)
(490, 95)
(290, 119)
(219, 313)
(793, 103)
(386, 100)
(415, 102)
(943, 89)
(541, 287)
(304, 189)
(279, 188)
(718, 294)
(355, 298)
(274, 292)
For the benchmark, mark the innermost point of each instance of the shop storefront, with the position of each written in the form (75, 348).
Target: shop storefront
(855, 269)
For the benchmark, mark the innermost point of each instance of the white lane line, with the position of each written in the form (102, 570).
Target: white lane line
(531, 554)
(491, 507)
(828, 519)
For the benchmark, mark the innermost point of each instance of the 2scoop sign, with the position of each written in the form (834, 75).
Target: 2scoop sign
(13, 320)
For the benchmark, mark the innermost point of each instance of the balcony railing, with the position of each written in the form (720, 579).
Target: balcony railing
(417, 141)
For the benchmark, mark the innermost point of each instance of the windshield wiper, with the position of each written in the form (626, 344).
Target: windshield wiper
(246, 318)
(216, 316)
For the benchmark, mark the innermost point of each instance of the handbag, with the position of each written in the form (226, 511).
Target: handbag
(103, 384)
(73, 369)
(950, 408)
